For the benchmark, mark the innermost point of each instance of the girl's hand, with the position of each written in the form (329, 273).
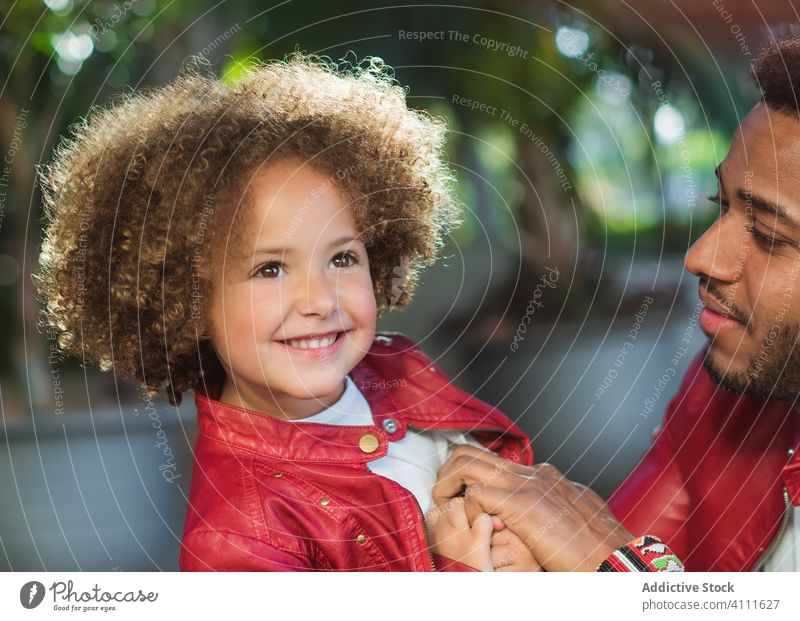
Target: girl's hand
(509, 552)
(565, 525)
(452, 536)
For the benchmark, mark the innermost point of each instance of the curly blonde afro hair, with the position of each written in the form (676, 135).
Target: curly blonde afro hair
(142, 198)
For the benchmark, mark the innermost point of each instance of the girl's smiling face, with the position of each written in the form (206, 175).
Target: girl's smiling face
(294, 317)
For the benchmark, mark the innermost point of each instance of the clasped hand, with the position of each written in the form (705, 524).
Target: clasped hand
(494, 514)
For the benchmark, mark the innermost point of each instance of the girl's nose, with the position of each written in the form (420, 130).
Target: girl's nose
(318, 296)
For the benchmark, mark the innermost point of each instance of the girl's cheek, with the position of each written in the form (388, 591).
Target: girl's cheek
(361, 288)
(237, 310)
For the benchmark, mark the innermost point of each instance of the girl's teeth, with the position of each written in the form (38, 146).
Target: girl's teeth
(313, 343)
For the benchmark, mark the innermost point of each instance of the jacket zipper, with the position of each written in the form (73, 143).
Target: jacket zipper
(403, 491)
(425, 531)
(781, 530)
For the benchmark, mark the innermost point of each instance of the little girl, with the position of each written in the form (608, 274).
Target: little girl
(239, 241)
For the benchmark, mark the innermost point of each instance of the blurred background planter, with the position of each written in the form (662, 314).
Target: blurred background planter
(90, 491)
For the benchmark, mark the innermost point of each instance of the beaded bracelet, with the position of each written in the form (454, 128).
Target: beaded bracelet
(647, 553)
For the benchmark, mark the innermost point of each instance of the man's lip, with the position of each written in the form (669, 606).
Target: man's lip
(716, 307)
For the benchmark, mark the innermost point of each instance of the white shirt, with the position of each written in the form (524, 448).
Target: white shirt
(786, 556)
(413, 461)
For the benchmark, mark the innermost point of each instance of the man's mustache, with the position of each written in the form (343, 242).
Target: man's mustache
(715, 291)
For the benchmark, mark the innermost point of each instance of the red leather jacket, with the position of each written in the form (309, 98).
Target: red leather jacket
(718, 482)
(267, 494)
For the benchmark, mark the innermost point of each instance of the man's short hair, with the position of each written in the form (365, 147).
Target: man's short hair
(776, 72)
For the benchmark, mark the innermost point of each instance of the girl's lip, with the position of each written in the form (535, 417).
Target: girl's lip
(313, 335)
(317, 352)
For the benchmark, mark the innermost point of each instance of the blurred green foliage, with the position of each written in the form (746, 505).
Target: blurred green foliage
(631, 185)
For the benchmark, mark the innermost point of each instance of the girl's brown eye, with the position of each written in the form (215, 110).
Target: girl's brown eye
(345, 259)
(270, 270)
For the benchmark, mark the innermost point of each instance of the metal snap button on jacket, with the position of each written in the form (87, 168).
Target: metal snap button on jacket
(368, 443)
(389, 425)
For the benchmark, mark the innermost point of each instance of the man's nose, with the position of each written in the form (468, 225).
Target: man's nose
(720, 252)
(317, 295)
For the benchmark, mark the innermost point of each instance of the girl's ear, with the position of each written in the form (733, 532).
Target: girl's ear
(203, 332)
(203, 329)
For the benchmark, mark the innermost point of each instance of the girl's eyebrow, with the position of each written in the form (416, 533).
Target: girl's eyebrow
(347, 239)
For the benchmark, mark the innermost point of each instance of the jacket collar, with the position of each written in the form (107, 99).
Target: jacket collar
(401, 385)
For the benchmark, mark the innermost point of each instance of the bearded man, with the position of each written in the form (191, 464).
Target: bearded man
(720, 484)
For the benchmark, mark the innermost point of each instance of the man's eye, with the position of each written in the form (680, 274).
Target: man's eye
(272, 269)
(344, 259)
(765, 241)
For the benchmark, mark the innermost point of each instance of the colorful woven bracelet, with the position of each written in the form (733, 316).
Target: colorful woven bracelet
(647, 553)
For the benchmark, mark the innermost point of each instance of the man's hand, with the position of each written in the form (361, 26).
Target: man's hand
(566, 526)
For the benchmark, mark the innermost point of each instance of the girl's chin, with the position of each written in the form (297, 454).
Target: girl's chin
(328, 393)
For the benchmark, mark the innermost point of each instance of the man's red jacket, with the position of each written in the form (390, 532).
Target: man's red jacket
(719, 481)
(267, 494)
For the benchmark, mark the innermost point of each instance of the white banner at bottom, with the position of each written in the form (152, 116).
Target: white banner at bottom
(232, 596)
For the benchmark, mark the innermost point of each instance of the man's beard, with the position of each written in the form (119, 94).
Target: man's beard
(773, 373)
